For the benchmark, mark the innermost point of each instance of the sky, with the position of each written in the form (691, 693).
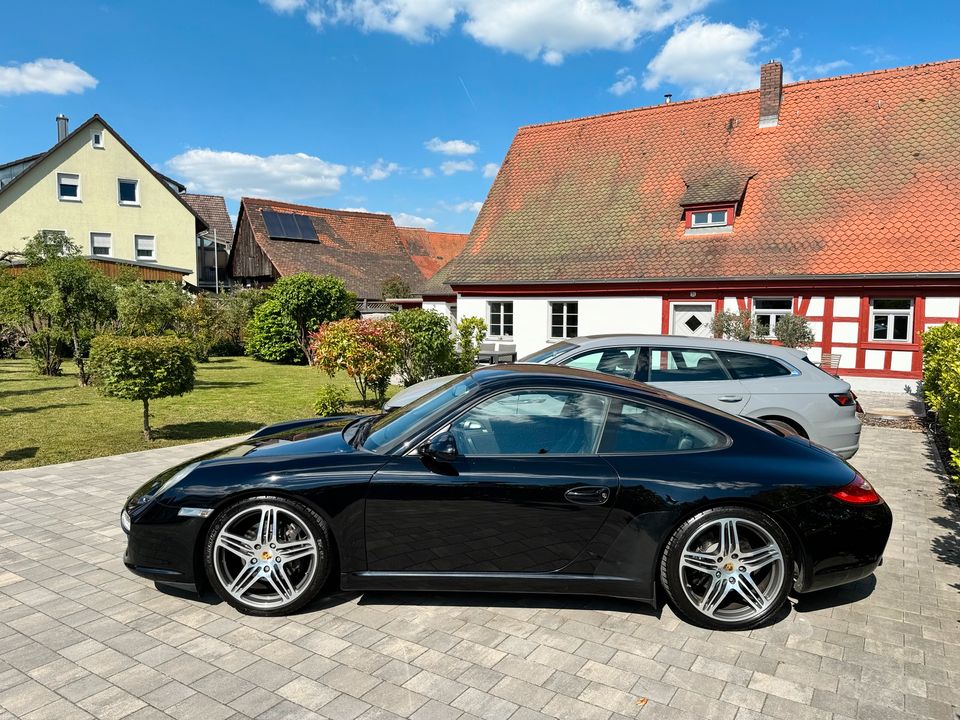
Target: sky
(404, 106)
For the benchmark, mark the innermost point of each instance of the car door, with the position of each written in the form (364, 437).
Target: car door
(698, 374)
(526, 492)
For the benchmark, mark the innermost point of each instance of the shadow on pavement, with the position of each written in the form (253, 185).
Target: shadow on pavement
(836, 596)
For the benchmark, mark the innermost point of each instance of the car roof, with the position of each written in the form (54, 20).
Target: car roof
(757, 348)
(510, 374)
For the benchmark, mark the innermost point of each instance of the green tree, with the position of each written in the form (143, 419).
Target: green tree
(733, 326)
(427, 345)
(197, 322)
(311, 300)
(368, 350)
(271, 335)
(395, 287)
(236, 311)
(149, 308)
(471, 332)
(794, 331)
(142, 368)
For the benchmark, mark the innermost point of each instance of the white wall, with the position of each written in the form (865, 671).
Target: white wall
(846, 306)
(942, 307)
(440, 307)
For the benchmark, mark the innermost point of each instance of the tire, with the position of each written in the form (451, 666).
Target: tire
(735, 587)
(267, 555)
(783, 426)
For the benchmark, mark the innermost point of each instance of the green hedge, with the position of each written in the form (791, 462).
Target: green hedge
(941, 380)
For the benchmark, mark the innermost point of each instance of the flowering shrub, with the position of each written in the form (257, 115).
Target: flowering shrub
(368, 350)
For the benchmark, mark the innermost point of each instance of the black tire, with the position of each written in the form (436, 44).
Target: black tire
(683, 584)
(785, 427)
(296, 514)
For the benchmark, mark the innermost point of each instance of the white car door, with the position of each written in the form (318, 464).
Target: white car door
(698, 374)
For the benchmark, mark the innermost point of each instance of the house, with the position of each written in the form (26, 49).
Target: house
(274, 239)
(95, 188)
(836, 199)
(213, 244)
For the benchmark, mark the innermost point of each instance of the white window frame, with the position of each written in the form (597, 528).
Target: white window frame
(775, 315)
(136, 192)
(107, 235)
(710, 221)
(890, 314)
(501, 323)
(565, 312)
(61, 176)
(136, 253)
(94, 143)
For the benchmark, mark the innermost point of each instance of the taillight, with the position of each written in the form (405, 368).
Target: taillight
(858, 492)
(844, 399)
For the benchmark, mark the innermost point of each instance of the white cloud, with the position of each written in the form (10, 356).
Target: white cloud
(706, 58)
(426, 172)
(625, 83)
(45, 75)
(454, 166)
(450, 147)
(380, 170)
(284, 6)
(233, 174)
(491, 169)
(545, 29)
(355, 209)
(408, 220)
(465, 206)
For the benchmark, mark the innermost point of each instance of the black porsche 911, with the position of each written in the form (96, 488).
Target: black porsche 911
(525, 478)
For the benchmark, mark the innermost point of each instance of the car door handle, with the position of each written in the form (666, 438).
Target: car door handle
(730, 398)
(588, 495)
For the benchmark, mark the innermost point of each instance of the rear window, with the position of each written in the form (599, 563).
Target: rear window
(749, 367)
(684, 365)
(548, 353)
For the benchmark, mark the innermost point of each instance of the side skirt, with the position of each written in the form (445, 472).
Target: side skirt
(497, 582)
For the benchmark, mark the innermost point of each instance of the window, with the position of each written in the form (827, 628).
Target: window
(532, 422)
(52, 234)
(748, 367)
(708, 218)
(68, 186)
(891, 319)
(145, 247)
(767, 311)
(638, 428)
(684, 365)
(563, 319)
(620, 361)
(500, 319)
(101, 244)
(548, 353)
(128, 192)
(96, 139)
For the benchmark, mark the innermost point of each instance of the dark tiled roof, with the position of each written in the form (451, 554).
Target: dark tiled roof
(213, 210)
(861, 176)
(362, 249)
(431, 250)
(723, 184)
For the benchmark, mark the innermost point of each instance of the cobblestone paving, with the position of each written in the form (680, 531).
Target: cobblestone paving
(80, 637)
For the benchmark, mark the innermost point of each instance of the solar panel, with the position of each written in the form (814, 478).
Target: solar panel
(289, 226)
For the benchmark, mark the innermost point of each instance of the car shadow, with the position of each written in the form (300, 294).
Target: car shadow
(836, 596)
(204, 430)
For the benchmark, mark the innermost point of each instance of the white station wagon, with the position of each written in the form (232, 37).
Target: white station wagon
(766, 382)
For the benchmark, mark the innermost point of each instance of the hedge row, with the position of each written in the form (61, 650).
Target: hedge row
(941, 380)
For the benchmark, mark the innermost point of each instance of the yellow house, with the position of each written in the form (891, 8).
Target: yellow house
(96, 189)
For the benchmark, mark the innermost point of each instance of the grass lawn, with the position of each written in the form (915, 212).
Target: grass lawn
(47, 420)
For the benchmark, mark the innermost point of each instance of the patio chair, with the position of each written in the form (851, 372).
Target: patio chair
(830, 362)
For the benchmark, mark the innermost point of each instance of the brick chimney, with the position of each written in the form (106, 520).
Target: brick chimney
(771, 92)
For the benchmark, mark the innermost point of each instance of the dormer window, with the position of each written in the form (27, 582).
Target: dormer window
(705, 220)
(713, 198)
(708, 218)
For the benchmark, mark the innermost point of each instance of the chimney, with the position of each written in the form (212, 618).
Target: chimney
(771, 92)
(62, 130)
(668, 97)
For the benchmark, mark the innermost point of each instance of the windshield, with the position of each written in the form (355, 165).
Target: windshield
(388, 428)
(548, 353)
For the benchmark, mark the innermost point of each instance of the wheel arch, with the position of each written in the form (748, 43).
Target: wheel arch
(795, 424)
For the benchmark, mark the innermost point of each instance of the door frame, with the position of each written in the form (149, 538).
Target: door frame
(675, 304)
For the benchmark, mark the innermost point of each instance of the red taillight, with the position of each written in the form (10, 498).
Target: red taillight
(858, 492)
(845, 399)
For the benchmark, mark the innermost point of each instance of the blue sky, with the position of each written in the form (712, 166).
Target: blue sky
(404, 106)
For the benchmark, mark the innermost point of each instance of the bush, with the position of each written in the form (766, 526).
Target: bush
(471, 332)
(307, 301)
(236, 312)
(331, 399)
(732, 326)
(427, 346)
(12, 341)
(368, 350)
(272, 336)
(149, 308)
(142, 368)
(793, 331)
(46, 349)
(197, 322)
(940, 363)
(395, 287)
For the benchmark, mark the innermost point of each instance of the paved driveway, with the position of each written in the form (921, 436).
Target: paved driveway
(80, 635)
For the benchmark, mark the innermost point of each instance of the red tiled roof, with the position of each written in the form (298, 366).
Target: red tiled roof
(362, 249)
(862, 175)
(213, 210)
(431, 250)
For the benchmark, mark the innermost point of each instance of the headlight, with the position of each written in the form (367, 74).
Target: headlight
(125, 521)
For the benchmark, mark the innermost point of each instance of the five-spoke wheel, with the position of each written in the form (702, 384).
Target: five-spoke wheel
(267, 555)
(727, 568)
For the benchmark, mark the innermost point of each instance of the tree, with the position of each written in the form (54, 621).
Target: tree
(149, 308)
(794, 331)
(197, 322)
(427, 345)
(236, 311)
(472, 331)
(271, 335)
(732, 326)
(311, 300)
(395, 287)
(142, 368)
(368, 350)
(24, 304)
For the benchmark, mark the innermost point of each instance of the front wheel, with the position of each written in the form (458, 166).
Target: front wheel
(727, 568)
(267, 555)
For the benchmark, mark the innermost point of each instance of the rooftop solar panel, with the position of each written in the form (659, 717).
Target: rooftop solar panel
(289, 226)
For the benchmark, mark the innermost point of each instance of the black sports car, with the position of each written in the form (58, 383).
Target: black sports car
(525, 478)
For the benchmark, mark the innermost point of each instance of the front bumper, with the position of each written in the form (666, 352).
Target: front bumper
(165, 552)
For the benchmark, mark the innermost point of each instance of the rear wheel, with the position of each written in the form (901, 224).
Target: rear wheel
(267, 555)
(727, 568)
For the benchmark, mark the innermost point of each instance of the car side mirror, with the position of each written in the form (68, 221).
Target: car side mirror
(442, 447)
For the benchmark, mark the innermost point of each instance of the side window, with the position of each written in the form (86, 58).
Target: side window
(532, 422)
(749, 367)
(620, 361)
(684, 365)
(639, 428)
